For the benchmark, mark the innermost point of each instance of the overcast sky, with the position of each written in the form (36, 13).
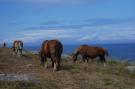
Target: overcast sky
(71, 21)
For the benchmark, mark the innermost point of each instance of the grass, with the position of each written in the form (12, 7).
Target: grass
(19, 85)
(92, 75)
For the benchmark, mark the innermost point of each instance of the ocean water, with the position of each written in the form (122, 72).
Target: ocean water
(120, 51)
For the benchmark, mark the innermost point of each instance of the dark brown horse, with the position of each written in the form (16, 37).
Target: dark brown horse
(51, 49)
(87, 51)
(18, 47)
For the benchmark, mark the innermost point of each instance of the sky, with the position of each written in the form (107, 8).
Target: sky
(70, 21)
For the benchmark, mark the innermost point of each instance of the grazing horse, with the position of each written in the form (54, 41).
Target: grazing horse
(51, 49)
(87, 51)
(18, 47)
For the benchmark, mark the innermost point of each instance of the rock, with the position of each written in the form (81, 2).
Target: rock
(16, 77)
(131, 68)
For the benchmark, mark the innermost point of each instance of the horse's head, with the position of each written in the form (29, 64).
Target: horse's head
(74, 58)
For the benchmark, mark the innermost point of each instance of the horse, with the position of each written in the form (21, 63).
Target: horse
(92, 52)
(17, 47)
(51, 49)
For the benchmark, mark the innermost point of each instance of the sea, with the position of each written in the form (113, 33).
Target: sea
(123, 51)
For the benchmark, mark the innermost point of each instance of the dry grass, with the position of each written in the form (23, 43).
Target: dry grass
(92, 75)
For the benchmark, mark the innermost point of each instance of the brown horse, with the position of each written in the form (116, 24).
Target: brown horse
(87, 51)
(51, 49)
(18, 47)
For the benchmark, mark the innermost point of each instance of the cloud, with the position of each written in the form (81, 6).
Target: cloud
(112, 32)
(36, 35)
(88, 37)
(48, 34)
(82, 24)
(94, 34)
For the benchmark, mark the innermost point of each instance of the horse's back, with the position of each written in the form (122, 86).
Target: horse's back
(87, 48)
(91, 50)
(52, 47)
(18, 42)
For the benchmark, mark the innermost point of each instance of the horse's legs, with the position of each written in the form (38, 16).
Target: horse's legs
(16, 51)
(103, 60)
(92, 60)
(83, 58)
(75, 56)
(87, 59)
(43, 59)
(52, 62)
(58, 63)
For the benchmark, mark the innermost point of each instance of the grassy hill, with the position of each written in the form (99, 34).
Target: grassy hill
(92, 75)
